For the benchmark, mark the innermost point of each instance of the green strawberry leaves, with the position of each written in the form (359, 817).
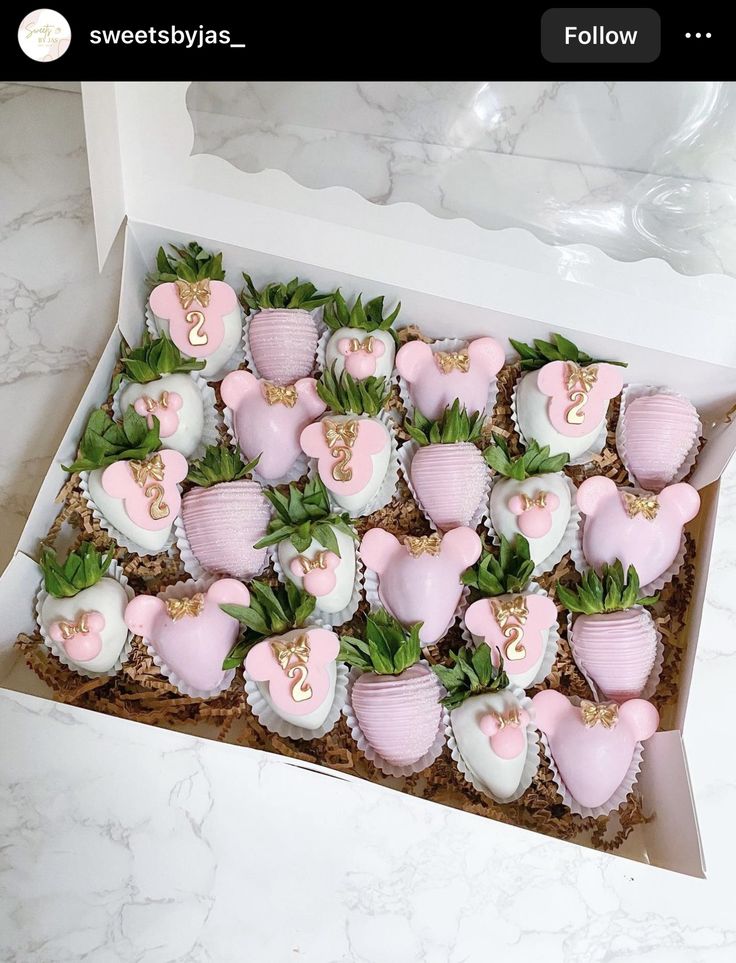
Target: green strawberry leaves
(613, 591)
(387, 649)
(345, 395)
(152, 359)
(219, 464)
(294, 295)
(83, 568)
(305, 515)
(365, 317)
(471, 673)
(191, 263)
(106, 441)
(508, 572)
(534, 461)
(453, 426)
(539, 353)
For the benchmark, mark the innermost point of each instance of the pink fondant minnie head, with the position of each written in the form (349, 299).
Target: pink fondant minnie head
(362, 341)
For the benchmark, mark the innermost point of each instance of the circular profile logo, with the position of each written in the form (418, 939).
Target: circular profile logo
(44, 35)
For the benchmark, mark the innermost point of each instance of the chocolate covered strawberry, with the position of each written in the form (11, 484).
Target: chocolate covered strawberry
(510, 614)
(132, 482)
(563, 394)
(81, 610)
(225, 514)
(268, 419)
(447, 470)
(157, 381)
(362, 341)
(351, 444)
(613, 638)
(395, 698)
(192, 304)
(290, 664)
(315, 547)
(282, 331)
(532, 498)
(491, 723)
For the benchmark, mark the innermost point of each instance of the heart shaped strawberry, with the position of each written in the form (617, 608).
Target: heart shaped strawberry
(639, 528)
(362, 342)
(395, 698)
(491, 723)
(512, 620)
(193, 306)
(268, 419)
(419, 578)
(593, 745)
(190, 635)
(563, 399)
(447, 471)
(81, 613)
(437, 378)
(225, 514)
(282, 333)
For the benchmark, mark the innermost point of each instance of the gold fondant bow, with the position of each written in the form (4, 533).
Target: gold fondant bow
(418, 545)
(279, 394)
(150, 469)
(151, 403)
(605, 713)
(297, 648)
(70, 629)
(585, 377)
(365, 345)
(191, 291)
(177, 608)
(308, 564)
(340, 434)
(645, 505)
(515, 608)
(448, 361)
(538, 501)
(510, 718)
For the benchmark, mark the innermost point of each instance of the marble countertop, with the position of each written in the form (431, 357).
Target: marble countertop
(125, 843)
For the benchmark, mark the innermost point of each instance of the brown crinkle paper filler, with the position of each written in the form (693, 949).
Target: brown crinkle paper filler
(140, 693)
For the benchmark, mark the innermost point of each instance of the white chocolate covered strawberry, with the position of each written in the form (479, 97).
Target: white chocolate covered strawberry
(282, 331)
(562, 396)
(192, 304)
(447, 470)
(361, 341)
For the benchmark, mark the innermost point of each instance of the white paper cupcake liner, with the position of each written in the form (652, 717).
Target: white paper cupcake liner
(531, 764)
(124, 541)
(566, 543)
(578, 558)
(210, 434)
(271, 720)
(618, 797)
(631, 393)
(390, 481)
(114, 571)
(298, 469)
(583, 459)
(406, 455)
(650, 686)
(446, 344)
(178, 591)
(386, 767)
(550, 649)
(370, 581)
(232, 364)
(192, 564)
(334, 618)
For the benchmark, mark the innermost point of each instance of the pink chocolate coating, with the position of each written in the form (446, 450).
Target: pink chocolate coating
(399, 715)
(283, 343)
(372, 438)
(480, 619)
(657, 433)
(450, 482)
(262, 665)
(617, 650)
(592, 760)
(223, 523)
(139, 500)
(552, 380)
(165, 304)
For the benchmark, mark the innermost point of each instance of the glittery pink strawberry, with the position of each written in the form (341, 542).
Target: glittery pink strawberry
(655, 435)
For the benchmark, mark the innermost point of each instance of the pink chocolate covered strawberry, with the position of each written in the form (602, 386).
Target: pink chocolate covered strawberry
(269, 418)
(395, 698)
(613, 639)
(437, 378)
(192, 304)
(637, 527)
(512, 616)
(447, 470)
(282, 332)
(419, 578)
(225, 514)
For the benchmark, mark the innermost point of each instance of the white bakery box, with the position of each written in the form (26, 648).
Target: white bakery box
(453, 279)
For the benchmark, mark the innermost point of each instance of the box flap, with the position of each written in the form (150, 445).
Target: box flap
(105, 163)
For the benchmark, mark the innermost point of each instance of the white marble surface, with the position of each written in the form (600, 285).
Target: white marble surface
(122, 843)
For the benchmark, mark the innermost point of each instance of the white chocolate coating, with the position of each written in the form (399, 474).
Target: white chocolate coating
(534, 423)
(338, 598)
(314, 719)
(216, 363)
(506, 523)
(113, 510)
(191, 415)
(384, 364)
